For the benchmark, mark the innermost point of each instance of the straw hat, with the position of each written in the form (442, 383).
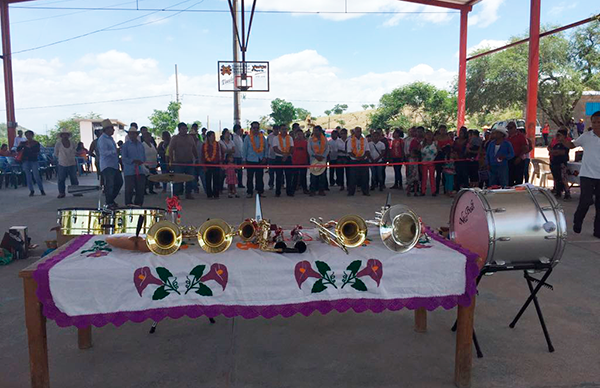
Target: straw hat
(106, 123)
(317, 170)
(64, 131)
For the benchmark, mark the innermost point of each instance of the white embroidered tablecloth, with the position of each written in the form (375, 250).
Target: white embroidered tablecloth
(91, 282)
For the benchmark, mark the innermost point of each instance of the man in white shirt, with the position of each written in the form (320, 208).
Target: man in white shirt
(336, 147)
(238, 142)
(318, 149)
(357, 148)
(20, 138)
(589, 174)
(377, 151)
(64, 151)
(283, 146)
(271, 154)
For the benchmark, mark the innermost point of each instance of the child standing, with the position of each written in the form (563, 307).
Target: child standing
(558, 164)
(412, 174)
(449, 170)
(231, 177)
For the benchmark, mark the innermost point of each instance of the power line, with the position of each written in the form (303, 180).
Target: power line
(269, 99)
(92, 102)
(227, 11)
(157, 20)
(65, 14)
(93, 32)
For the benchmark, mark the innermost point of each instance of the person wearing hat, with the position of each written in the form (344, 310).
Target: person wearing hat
(109, 164)
(133, 156)
(66, 153)
(318, 149)
(499, 152)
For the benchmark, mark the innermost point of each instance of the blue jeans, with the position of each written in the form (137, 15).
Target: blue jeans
(32, 171)
(113, 181)
(377, 176)
(499, 176)
(63, 171)
(189, 186)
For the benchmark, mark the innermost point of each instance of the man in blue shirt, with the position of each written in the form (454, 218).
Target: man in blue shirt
(133, 156)
(109, 164)
(255, 153)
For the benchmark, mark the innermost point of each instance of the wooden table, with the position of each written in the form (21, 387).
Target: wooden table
(38, 345)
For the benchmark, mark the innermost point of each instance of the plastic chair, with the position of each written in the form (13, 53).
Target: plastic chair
(16, 172)
(540, 169)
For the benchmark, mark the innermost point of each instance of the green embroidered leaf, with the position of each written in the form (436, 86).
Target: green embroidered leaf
(163, 273)
(203, 290)
(160, 293)
(322, 267)
(359, 285)
(318, 286)
(354, 266)
(198, 271)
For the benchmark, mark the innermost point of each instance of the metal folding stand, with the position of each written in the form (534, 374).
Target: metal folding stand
(526, 268)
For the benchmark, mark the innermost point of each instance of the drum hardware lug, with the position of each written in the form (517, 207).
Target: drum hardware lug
(547, 208)
(503, 239)
(544, 260)
(550, 237)
(497, 210)
(500, 262)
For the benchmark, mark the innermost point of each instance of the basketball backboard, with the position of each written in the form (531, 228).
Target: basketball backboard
(251, 76)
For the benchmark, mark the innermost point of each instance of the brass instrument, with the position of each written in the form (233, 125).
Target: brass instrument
(399, 227)
(164, 238)
(350, 231)
(215, 236)
(248, 230)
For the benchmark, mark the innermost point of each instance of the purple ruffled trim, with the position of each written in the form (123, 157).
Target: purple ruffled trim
(287, 310)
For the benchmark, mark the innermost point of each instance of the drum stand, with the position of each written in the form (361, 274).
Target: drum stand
(547, 269)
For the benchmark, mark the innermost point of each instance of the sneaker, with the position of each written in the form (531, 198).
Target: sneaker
(31, 193)
(43, 192)
(577, 228)
(61, 196)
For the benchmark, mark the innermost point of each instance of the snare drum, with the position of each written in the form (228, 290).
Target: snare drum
(126, 220)
(506, 228)
(79, 221)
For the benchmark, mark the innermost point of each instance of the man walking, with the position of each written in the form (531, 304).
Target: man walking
(358, 152)
(109, 164)
(255, 153)
(134, 157)
(182, 154)
(65, 152)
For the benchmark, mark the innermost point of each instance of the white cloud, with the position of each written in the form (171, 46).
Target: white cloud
(485, 44)
(336, 9)
(557, 10)
(305, 78)
(486, 13)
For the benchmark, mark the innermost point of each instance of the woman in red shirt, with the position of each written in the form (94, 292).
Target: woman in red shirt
(300, 158)
(397, 153)
(211, 154)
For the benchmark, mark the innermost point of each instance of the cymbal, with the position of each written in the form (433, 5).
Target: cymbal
(175, 178)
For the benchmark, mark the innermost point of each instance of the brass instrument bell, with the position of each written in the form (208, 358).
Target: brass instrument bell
(164, 238)
(399, 228)
(215, 236)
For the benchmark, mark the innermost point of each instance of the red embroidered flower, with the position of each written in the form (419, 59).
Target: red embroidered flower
(142, 277)
(374, 269)
(218, 273)
(304, 271)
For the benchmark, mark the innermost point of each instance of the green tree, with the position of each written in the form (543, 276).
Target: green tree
(283, 112)
(338, 109)
(165, 120)
(365, 106)
(585, 52)
(71, 124)
(302, 114)
(417, 103)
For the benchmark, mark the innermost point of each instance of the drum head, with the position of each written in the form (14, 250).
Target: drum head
(469, 223)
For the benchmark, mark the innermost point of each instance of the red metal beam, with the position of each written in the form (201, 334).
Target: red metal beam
(443, 4)
(11, 122)
(551, 32)
(534, 65)
(462, 68)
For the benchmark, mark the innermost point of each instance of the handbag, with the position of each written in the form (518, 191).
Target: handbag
(19, 157)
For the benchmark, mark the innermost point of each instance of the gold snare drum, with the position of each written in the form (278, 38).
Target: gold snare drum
(126, 220)
(76, 222)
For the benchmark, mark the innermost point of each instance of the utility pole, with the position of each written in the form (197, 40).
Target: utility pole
(177, 90)
(236, 55)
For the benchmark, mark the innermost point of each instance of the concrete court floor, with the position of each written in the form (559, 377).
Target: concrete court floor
(335, 350)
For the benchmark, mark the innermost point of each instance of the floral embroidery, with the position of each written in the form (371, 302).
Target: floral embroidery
(303, 271)
(142, 278)
(218, 273)
(99, 249)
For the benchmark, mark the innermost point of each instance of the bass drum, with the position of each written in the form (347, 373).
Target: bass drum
(126, 220)
(80, 221)
(506, 228)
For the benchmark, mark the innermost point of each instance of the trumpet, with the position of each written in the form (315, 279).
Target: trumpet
(215, 236)
(399, 227)
(164, 238)
(350, 231)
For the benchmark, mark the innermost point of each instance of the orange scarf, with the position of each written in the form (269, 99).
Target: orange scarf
(321, 148)
(284, 145)
(207, 157)
(358, 152)
(262, 144)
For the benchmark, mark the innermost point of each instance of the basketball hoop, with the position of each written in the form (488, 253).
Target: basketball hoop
(243, 82)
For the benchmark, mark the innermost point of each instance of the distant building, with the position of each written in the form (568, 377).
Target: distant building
(87, 128)
(586, 106)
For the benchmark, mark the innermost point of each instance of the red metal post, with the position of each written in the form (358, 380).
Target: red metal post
(11, 121)
(462, 67)
(534, 66)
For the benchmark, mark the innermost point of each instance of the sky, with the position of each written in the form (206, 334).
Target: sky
(321, 53)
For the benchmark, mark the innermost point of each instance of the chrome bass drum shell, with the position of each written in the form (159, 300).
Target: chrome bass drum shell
(80, 221)
(506, 228)
(126, 220)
